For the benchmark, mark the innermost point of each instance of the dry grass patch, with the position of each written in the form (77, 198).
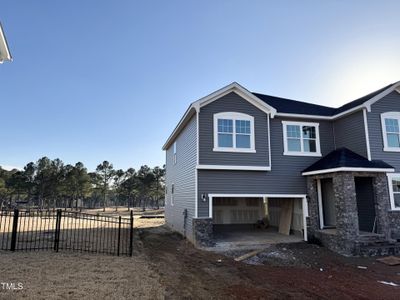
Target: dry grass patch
(48, 275)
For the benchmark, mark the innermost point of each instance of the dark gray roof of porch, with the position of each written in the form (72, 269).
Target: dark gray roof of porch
(343, 158)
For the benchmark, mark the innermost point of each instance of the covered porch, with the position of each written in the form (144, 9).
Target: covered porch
(348, 201)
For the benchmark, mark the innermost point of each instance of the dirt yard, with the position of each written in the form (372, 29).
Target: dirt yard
(166, 266)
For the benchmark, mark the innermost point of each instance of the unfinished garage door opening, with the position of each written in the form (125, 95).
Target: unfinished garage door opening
(251, 220)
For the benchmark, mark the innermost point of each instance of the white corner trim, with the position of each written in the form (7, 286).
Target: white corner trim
(269, 141)
(305, 215)
(391, 195)
(301, 153)
(320, 209)
(366, 133)
(234, 116)
(235, 168)
(196, 184)
(348, 169)
(391, 115)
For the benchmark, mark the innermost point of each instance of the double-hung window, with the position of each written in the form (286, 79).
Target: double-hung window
(233, 132)
(390, 122)
(301, 138)
(394, 190)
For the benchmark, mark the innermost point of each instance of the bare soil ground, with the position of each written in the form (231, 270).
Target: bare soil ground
(167, 266)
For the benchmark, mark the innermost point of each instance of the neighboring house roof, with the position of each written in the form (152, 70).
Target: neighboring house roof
(4, 51)
(277, 106)
(343, 159)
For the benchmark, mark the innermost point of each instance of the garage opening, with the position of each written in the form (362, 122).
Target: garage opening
(257, 220)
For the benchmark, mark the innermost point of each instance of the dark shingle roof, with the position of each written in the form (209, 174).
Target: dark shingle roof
(344, 157)
(283, 105)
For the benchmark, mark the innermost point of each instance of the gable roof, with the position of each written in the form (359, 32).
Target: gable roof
(195, 106)
(4, 51)
(282, 106)
(288, 106)
(343, 159)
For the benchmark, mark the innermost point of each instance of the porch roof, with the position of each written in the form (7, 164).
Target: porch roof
(343, 159)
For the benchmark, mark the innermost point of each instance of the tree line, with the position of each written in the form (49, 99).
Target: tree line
(53, 184)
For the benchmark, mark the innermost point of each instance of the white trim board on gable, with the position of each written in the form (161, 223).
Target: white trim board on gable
(233, 87)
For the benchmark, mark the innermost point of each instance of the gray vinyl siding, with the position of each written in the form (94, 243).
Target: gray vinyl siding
(232, 102)
(389, 103)
(182, 175)
(350, 133)
(284, 178)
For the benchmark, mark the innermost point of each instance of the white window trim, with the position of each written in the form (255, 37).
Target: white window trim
(172, 193)
(301, 153)
(234, 116)
(174, 152)
(391, 195)
(389, 115)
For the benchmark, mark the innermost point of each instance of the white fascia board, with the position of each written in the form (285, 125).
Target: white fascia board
(4, 50)
(233, 168)
(381, 95)
(178, 128)
(348, 169)
(242, 92)
(316, 117)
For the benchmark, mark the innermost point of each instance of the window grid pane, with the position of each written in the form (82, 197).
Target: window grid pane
(293, 131)
(225, 140)
(294, 145)
(242, 141)
(225, 125)
(392, 125)
(393, 140)
(242, 126)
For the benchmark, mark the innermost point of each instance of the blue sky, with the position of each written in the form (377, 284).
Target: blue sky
(109, 80)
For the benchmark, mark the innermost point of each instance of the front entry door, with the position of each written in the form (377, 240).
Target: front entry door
(365, 203)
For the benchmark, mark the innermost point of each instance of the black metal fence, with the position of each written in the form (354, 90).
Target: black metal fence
(65, 230)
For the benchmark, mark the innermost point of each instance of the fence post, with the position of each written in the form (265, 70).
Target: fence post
(14, 230)
(57, 232)
(131, 235)
(119, 234)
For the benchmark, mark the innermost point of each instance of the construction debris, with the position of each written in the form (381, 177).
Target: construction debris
(362, 267)
(388, 283)
(248, 255)
(390, 260)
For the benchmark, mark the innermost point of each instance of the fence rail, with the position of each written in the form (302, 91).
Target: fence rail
(65, 230)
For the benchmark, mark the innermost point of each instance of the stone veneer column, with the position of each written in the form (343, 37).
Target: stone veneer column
(203, 232)
(313, 212)
(382, 203)
(346, 206)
